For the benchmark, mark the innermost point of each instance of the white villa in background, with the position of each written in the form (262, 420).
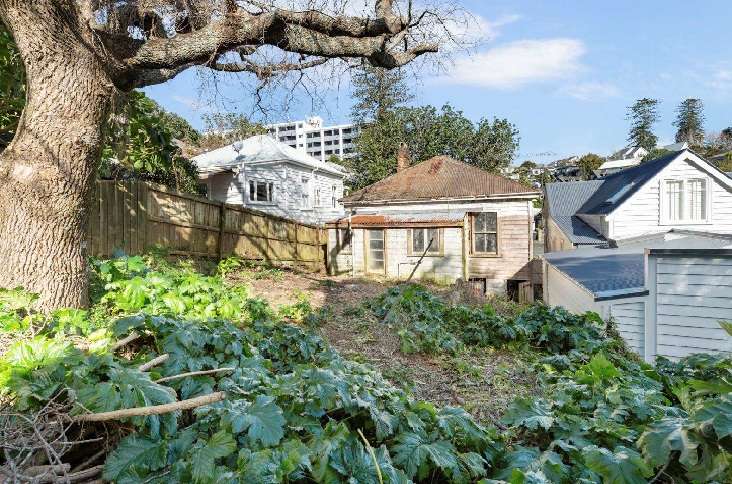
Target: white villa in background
(263, 174)
(311, 137)
(630, 157)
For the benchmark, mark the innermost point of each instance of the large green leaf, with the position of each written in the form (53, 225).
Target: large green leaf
(262, 420)
(203, 459)
(135, 454)
(623, 466)
(416, 454)
(665, 436)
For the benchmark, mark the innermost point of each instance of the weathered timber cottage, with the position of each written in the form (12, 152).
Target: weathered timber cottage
(442, 220)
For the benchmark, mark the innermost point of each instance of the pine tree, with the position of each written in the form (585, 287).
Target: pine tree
(690, 122)
(378, 91)
(643, 114)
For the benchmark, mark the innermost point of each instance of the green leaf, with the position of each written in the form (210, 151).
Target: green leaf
(262, 420)
(135, 454)
(716, 413)
(531, 413)
(203, 459)
(414, 452)
(624, 466)
(665, 436)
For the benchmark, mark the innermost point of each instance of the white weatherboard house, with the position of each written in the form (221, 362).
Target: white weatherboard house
(667, 293)
(480, 225)
(266, 175)
(678, 191)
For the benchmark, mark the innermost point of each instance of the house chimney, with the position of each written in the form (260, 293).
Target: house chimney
(403, 158)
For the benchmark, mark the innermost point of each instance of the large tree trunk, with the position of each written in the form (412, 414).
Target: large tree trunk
(47, 172)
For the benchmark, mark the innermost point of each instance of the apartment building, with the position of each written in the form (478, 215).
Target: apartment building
(312, 137)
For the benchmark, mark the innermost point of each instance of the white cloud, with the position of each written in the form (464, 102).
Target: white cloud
(721, 80)
(474, 30)
(591, 91)
(518, 63)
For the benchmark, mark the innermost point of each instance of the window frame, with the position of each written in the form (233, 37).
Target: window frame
(418, 253)
(305, 198)
(686, 184)
(253, 191)
(473, 232)
(367, 251)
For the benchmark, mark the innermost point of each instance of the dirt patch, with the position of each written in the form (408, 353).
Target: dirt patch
(483, 381)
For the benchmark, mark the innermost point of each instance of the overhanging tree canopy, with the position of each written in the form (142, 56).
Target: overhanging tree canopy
(79, 53)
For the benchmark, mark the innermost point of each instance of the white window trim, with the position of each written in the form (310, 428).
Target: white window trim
(663, 200)
(271, 191)
(436, 250)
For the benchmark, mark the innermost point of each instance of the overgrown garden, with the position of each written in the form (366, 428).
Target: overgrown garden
(177, 376)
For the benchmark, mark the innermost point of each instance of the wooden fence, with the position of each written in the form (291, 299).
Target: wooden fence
(134, 217)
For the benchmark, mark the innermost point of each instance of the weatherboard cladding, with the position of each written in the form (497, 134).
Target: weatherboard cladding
(564, 200)
(438, 178)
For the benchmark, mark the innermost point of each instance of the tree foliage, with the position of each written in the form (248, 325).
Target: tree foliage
(142, 143)
(643, 115)
(489, 144)
(689, 122)
(222, 129)
(588, 164)
(378, 92)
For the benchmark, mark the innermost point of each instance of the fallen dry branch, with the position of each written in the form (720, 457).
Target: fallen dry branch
(193, 373)
(154, 362)
(152, 410)
(132, 337)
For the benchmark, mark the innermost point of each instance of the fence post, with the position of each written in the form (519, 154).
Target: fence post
(222, 226)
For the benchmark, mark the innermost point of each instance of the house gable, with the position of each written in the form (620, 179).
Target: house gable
(644, 210)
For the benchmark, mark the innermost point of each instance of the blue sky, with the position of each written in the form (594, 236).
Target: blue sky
(563, 71)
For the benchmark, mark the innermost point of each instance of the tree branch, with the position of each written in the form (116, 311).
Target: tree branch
(152, 410)
(265, 71)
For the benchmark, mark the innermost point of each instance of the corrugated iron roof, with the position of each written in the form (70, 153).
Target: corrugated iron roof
(564, 200)
(439, 178)
(401, 220)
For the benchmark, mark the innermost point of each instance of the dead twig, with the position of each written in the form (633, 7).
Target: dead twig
(152, 410)
(193, 373)
(132, 337)
(154, 362)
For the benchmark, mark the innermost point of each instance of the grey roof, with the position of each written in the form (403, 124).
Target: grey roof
(729, 174)
(564, 200)
(621, 271)
(618, 187)
(601, 272)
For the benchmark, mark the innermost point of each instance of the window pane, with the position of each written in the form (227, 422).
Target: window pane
(418, 240)
(491, 243)
(252, 191)
(697, 196)
(261, 191)
(434, 235)
(480, 242)
(270, 190)
(675, 208)
(491, 221)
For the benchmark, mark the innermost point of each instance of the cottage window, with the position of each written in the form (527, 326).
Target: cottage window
(334, 196)
(317, 197)
(686, 201)
(420, 241)
(261, 191)
(485, 233)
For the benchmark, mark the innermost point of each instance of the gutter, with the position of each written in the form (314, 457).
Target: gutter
(510, 196)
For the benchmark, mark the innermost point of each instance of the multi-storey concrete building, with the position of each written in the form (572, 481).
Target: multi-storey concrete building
(311, 137)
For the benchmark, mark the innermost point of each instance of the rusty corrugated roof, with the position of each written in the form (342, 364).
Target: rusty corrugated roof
(439, 178)
(397, 221)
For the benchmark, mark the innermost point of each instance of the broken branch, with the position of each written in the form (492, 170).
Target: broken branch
(193, 373)
(132, 337)
(154, 362)
(152, 410)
